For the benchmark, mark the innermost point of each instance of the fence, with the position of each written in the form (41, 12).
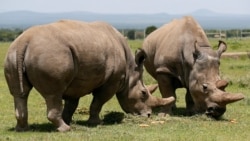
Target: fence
(234, 33)
(217, 34)
(220, 34)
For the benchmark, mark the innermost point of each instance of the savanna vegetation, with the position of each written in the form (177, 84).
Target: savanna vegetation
(234, 125)
(132, 34)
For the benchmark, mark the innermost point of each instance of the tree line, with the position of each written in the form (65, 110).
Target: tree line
(7, 35)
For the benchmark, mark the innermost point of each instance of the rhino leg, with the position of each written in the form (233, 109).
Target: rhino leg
(20, 98)
(70, 106)
(167, 89)
(54, 112)
(189, 104)
(21, 113)
(101, 96)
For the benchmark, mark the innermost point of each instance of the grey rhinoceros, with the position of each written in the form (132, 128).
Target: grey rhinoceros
(179, 55)
(69, 59)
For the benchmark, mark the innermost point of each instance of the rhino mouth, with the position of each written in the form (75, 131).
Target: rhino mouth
(215, 112)
(148, 114)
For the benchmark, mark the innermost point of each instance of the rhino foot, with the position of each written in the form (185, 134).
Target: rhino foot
(21, 129)
(167, 110)
(64, 128)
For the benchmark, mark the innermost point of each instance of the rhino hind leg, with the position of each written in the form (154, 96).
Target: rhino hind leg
(54, 112)
(70, 106)
(21, 113)
(20, 99)
(21, 109)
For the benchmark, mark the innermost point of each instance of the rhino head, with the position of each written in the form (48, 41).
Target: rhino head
(135, 97)
(205, 86)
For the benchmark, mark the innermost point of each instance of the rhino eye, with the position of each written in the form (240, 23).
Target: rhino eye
(144, 94)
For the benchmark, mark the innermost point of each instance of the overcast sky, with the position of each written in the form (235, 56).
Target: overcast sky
(128, 6)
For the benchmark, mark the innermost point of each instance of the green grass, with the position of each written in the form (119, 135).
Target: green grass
(233, 126)
(233, 45)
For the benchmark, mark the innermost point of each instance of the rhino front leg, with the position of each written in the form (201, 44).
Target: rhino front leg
(167, 89)
(21, 113)
(189, 104)
(70, 106)
(100, 97)
(54, 112)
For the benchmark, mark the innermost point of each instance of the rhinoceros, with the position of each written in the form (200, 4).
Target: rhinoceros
(69, 59)
(179, 56)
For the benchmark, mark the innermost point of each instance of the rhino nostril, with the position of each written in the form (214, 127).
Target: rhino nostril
(215, 112)
(149, 115)
(205, 86)
(210, 109)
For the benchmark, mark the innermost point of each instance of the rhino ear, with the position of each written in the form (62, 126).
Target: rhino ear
(222, 47)
(221, 84)
(140, 56)
(197, 53)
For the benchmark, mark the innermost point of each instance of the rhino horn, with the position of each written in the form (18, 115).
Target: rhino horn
(162, 101)
(221, 84)
(227, 98)
(152, 88)
(154, 101)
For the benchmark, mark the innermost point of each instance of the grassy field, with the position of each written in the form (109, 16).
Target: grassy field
(235, 124)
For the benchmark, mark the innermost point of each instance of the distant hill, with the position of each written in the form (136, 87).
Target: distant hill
(207, 19)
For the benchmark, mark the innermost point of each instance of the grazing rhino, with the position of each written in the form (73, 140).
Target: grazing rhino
(179, 55)
(69, 59)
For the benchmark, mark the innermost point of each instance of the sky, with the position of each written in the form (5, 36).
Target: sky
(127, 6)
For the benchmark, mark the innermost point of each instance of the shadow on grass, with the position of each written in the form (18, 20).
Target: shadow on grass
(44, 127)
(180, 111)
(110, 118)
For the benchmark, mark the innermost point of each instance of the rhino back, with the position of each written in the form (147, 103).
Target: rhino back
(73, 57)
(170, 45)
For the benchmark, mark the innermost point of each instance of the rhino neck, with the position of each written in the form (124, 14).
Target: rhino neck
(122, 95)
(125, 84)
(185, 74)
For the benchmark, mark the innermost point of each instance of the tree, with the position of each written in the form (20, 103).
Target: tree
(9, 34)
(131, 34)
(150, 29)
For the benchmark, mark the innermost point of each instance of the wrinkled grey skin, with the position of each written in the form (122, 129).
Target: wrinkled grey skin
(179, 55)
(69, 59)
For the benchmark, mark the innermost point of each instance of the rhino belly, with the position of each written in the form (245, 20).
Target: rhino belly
(80, 87)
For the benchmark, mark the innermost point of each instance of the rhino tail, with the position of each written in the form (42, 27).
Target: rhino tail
(20, 53)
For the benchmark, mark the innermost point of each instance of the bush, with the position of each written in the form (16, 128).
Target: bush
(9, 34)
(131, 34)
(150, 29)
